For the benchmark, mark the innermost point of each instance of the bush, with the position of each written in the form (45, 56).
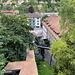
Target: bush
(44, 17)
(38, 58)
(45, 69)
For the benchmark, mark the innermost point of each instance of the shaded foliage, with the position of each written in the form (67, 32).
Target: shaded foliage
(64, 49)
(16, 36)
(44, 17)
(22, 9)
(15, 39)
(45, 69)
(31, 9)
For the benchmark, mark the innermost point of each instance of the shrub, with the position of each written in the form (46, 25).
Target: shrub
(45, 69)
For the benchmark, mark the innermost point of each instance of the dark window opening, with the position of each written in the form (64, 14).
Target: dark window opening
(12, 72)
(48, 25)
(51, 28)
(37, 26)
(37, 23)
(57, 33)
(59, 36)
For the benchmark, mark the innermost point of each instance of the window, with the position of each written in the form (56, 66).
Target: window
(37, 26)
(33, 21)
(37, 18)
(37, 23)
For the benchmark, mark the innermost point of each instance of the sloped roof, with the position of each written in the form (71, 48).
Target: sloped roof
(53, 25)
(34, 15)
(27, 67)
(7, 11)
(6, 3)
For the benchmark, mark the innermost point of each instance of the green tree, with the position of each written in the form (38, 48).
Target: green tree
(32, 2)
(44, 17)
(64, 57)
(3, 60)
(8, 7)
(48, 2)
(22, 9)
(38, 1)
(16, 37)
(67, 13)
(64, 49)
(4, 0)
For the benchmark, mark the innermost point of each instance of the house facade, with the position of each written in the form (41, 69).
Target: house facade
(51, 28)
(34, 19)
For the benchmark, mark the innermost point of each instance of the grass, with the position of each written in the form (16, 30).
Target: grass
(45, 69)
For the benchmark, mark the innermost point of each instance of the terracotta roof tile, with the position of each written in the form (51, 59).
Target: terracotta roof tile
(53, 25)
(6, 3)
(8, 12)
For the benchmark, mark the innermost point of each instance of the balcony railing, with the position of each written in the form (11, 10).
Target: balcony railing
(33, 25)
(32, 22)
(31, 19)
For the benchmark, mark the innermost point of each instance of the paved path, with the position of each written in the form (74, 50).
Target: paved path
(49, 57)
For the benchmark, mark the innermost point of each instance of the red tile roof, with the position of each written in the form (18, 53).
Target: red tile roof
(53, 25)
(6, 3)
(27, 67)
(8, 12)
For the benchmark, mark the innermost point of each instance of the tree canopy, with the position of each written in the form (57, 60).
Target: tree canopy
(22, 9)
(31, 9)
(15, 38)
(64, 49)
